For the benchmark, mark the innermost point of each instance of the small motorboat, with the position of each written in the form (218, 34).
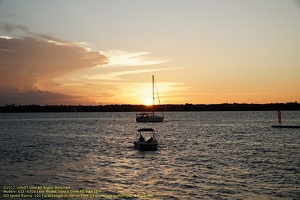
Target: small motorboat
(146, 140)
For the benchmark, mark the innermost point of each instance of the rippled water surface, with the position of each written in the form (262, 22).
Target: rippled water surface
(202, 155)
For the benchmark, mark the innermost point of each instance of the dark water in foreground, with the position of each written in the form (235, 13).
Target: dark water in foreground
(202, 155)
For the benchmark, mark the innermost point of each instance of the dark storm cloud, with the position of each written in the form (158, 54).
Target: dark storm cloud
(26, 61)
(38, 97)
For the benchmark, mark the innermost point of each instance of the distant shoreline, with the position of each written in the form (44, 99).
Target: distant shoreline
(142, 108)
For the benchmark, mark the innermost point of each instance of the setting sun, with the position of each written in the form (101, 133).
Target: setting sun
(148, 102)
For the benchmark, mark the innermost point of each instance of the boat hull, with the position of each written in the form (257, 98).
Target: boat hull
(285, 126)
(152, 118)
(145, 146)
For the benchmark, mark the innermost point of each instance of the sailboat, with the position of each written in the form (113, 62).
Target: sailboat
(150, 117)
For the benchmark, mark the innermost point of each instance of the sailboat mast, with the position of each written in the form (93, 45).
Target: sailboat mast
(153, 93)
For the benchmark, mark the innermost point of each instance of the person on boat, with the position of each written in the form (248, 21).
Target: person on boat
(141, 138)
(150, 140)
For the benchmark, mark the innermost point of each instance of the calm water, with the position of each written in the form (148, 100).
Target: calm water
(202, 155)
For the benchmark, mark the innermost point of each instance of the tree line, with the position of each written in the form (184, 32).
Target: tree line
(142, 108)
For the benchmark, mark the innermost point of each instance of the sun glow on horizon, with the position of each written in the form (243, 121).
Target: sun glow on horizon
(148, 102)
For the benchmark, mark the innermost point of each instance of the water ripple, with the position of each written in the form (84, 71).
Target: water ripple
(208, 155)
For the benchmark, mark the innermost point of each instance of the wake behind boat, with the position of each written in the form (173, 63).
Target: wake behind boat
(150, 117)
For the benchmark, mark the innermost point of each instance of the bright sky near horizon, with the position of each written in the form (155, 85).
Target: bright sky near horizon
(104, 52)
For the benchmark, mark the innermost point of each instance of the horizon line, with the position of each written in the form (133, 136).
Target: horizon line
(128, 104)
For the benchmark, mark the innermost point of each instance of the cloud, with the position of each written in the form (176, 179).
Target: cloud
(28, 61)
(23, 62)
(124, 58)
(41, 69)
(38, 97)
(120, 63)
(117, 75)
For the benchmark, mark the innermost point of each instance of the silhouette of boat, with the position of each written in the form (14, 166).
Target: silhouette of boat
(150, 117)
(146, 140)
(285, 126)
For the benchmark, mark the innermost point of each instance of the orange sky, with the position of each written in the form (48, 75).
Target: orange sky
(104, 52)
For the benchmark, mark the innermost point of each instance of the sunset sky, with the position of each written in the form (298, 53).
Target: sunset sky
(93, 52)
